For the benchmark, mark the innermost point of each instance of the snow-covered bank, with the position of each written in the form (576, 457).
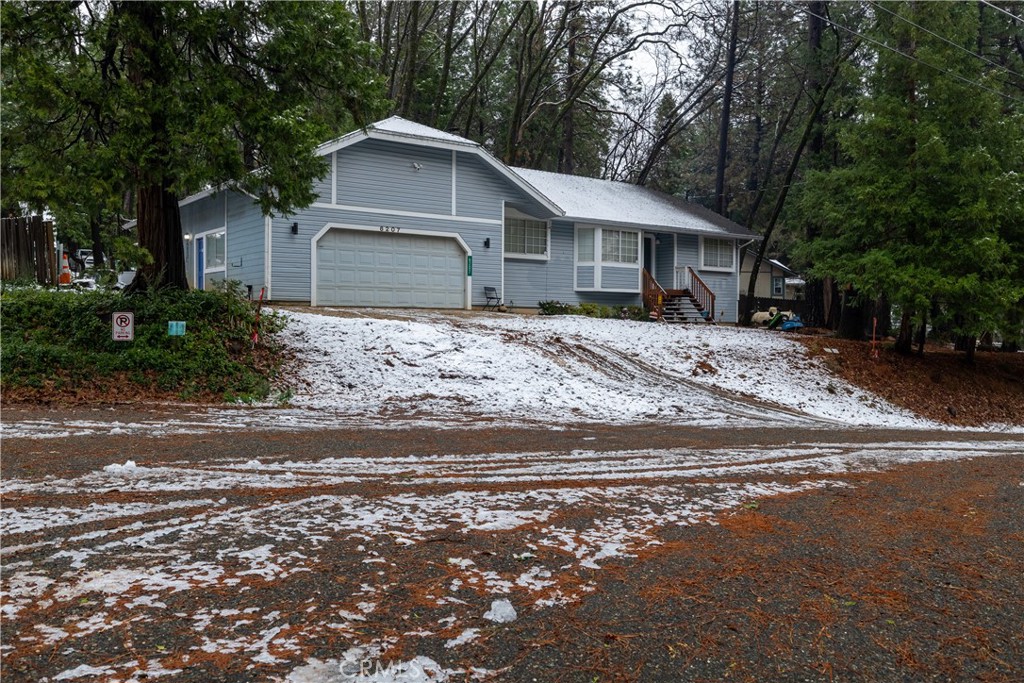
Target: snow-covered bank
(571, 369)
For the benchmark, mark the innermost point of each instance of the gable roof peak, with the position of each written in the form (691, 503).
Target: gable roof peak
(396, 125)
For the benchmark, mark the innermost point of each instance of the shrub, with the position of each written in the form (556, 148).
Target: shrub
(63, 338)
(593, 310)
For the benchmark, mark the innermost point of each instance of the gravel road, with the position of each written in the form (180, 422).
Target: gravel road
(232, 550)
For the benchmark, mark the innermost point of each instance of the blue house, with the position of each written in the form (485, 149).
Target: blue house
(410, 216)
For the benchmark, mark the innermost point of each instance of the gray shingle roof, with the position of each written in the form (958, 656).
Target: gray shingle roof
(606, 201)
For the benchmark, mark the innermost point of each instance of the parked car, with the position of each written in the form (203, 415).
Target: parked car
(84, 256)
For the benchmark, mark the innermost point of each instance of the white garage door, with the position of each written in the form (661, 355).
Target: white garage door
(365, 268)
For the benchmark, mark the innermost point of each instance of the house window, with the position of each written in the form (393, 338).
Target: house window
(619, 246)
(526, 238)
(585, 245)
(778, 287)
(215, 251)
(717, 254)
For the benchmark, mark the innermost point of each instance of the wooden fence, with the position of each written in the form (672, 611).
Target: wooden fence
(27, 250)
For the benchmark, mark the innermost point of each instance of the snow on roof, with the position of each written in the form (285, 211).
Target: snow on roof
(782, 266)
(606, 201)
(396, 125)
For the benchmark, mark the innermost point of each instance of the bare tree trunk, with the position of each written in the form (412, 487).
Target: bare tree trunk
(160, 233)
(566, 155)
(723, 131)
(159, 220)
(905, 337)
(790, 172)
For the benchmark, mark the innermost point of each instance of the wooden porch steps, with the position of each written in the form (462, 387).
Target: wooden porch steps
(680, 306)
(695, 304)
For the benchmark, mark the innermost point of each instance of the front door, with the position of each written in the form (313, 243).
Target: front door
(200, 263)
(649, 254)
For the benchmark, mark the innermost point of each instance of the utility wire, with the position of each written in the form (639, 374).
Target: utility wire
(910, 57)
(1000, 9)
(946, 40)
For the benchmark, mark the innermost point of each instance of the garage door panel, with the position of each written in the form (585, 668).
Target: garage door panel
(366, 268)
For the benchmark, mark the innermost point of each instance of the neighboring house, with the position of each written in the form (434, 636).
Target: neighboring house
(410, 216)
(775, 280)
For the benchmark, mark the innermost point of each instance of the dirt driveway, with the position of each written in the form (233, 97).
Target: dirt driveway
(623, 553)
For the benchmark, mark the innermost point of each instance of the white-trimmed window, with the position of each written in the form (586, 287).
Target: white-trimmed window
(717, 254)
(526, 238)
(211, 258)
(620, 246)
(778, 287)
(585, 245)
(216, 251)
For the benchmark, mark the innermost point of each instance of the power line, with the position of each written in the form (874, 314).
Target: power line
(946, 40)
(1000, 9)
(910, 57)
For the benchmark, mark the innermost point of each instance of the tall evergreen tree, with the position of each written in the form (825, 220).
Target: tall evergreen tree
(168, 98)
(926, 207)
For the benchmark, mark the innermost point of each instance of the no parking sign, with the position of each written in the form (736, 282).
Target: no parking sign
(122, 326)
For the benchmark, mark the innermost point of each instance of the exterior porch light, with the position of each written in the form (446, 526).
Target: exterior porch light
(487, 243)
(295, 228)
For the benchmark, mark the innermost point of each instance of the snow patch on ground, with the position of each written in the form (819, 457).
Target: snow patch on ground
(501, 612)
(570, 368)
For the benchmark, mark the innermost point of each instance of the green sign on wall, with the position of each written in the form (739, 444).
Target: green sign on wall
(469, 266)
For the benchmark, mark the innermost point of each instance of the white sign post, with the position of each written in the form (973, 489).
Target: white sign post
(122, 326)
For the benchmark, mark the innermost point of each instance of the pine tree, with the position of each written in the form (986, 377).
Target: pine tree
(168, 98)
(927, 207)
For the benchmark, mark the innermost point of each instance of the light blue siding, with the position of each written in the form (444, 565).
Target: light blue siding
(585, 277)
(246, 237)
(528, 282)
(322, 186)
(477, 184)
(616, 277)
(686, 248)
(383, 175)
(664, 260)
(198, 217)
(724, 285)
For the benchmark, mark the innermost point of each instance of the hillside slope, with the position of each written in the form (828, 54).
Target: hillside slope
(570, 369)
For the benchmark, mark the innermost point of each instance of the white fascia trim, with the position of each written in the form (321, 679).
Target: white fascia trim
(501, 246)
(268, 248)
(648, 227)
(407, 214)
(214, 190)
(675, 261)
(375, 228)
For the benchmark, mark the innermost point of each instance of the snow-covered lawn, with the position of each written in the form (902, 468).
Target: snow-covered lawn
(407, 369)
(570, 369)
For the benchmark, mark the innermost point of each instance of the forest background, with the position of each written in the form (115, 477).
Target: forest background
(878, 147)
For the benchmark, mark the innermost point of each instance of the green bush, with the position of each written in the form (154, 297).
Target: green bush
(63, 339)
(593, 310)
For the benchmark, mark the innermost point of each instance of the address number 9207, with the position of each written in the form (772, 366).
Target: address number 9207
(390, 228)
